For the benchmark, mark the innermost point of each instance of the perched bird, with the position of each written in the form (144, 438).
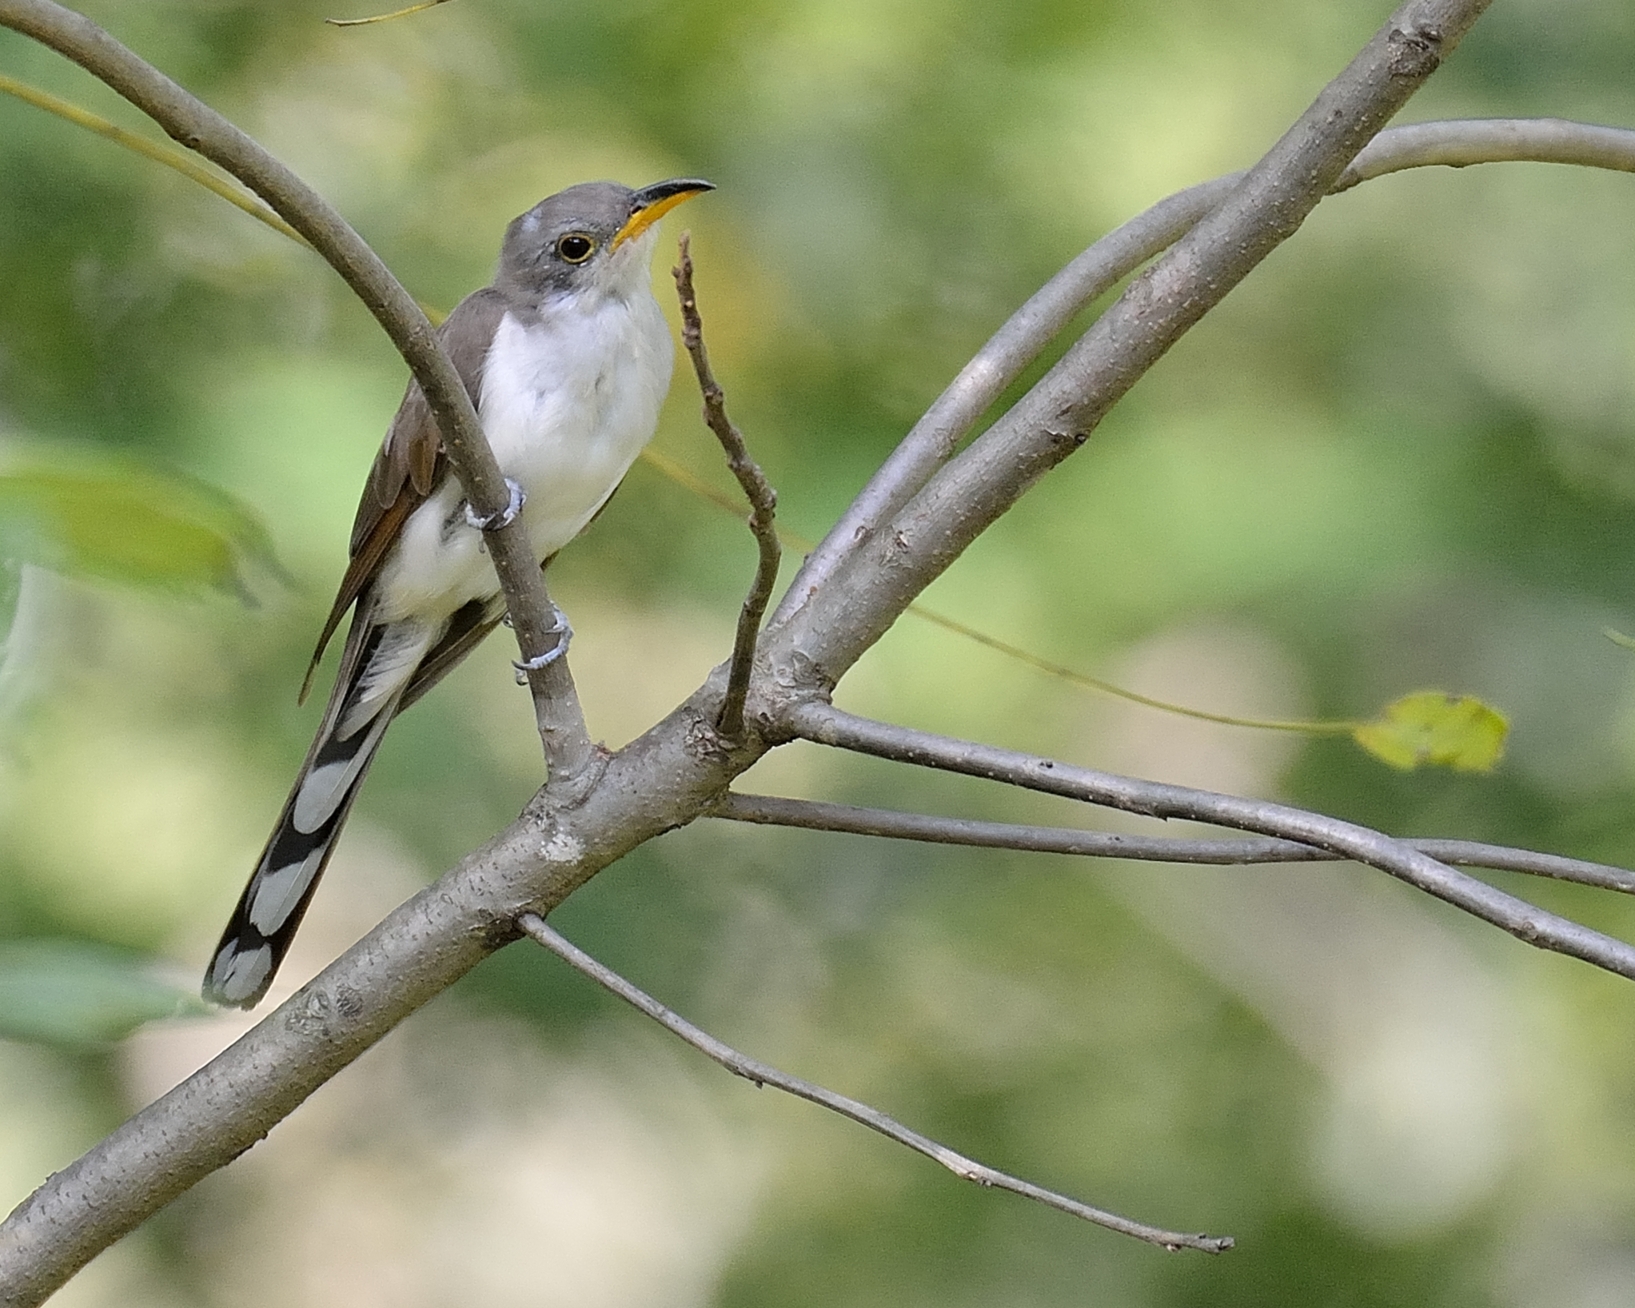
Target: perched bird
(567, 359)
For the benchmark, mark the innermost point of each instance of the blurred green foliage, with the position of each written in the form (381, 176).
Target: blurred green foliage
(62, 992)
(1402, 454)
(128, 524)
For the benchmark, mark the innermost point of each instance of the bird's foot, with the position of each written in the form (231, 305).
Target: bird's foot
(505, 517)
(564, 633)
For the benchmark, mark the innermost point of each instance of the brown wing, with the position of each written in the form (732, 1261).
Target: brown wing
(410, 464)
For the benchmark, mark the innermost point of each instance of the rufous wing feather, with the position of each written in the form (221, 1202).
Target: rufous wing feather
(410, 463)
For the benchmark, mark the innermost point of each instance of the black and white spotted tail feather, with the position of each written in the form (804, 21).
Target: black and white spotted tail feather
(278, 892)
(273, 903)
(384, 668)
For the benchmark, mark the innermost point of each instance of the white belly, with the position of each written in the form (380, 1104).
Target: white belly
(566, 404)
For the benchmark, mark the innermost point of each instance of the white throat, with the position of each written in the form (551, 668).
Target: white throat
(567, 401)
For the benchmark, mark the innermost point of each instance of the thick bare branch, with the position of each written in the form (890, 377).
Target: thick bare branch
(763, 500)
(568, 749)
(814, 815)
(762, 1074)
(827, 725)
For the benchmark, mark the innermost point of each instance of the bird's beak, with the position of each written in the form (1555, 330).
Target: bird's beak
(651, 203)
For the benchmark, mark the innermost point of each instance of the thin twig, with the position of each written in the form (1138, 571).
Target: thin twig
(762, 1074)
(1086, 682)
(792, 541)
(157, 151)
(763, 500)
(384, 18)
(815, 815)
(827, 725)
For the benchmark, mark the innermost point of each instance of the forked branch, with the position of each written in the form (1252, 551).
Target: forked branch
(760, 1073)
(827, 725)
(1026, 333)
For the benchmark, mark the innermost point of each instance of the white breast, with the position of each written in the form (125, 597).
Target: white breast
(567, 402)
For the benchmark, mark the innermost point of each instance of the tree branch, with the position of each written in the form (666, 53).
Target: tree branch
(826, 725)
(814, 815)
(762, 1074)
(568, 749)
(763, 500)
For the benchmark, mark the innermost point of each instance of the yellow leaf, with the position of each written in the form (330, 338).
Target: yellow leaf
(1431, 727)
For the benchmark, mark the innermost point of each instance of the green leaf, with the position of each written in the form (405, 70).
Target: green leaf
(129, 523)
(1431, 727)
(71, 993)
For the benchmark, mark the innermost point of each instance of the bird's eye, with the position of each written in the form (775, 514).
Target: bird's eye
(575, 247)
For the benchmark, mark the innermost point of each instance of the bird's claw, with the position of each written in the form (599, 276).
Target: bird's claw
(505, 517)
(564, 633)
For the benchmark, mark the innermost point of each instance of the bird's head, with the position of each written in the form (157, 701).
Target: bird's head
(596, 237)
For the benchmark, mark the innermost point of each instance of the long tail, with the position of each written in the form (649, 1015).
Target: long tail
(377, 669)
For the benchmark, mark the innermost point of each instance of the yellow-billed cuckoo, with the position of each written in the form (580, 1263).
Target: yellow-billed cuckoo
(567, 358)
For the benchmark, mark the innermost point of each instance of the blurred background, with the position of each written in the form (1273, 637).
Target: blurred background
(1401, 456)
